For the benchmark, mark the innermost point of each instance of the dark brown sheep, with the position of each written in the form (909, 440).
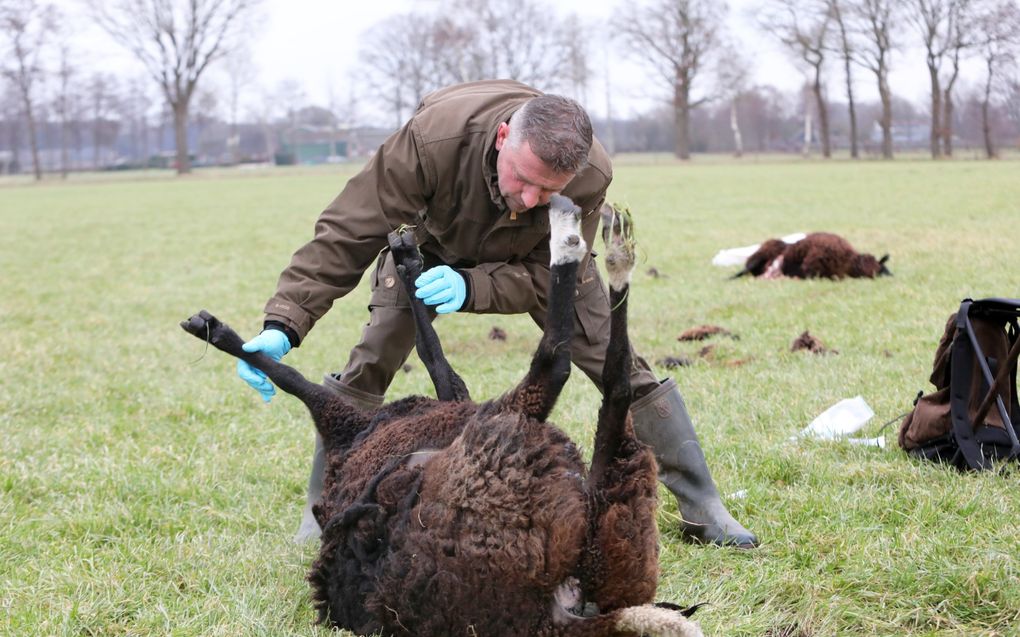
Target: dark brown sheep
(447, 517)
(818, 255)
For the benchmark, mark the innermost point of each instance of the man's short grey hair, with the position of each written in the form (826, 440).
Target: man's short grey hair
(558, 130)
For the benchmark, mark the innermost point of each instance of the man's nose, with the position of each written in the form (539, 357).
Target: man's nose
(531, 197)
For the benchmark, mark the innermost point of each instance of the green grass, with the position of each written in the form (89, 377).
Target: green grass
(144, 490)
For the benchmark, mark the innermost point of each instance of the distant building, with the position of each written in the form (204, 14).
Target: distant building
(913, 133)
(325, 144)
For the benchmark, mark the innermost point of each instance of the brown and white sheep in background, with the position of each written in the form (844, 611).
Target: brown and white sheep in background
(818, 255)
(447, 517)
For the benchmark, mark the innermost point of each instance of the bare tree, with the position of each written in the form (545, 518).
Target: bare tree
(505, 43)
(134, 110)
(579, 70)
(675, 37)
(962, 36)
(399, 54)
(999, 46)
(1011, 100)
(733, 70)
(10, 106)
(240, 75)
(63, 104)
(931, 18)
(28, 26)
(843, 45)
(874, 22)
(939, 24)
(805, 28)
(410, 55)
(102, 90)
(176, 40)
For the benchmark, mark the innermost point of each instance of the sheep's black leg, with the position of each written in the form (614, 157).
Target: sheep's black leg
(618, 234)
(758, 262)
(622, 554)
(449, 385)
(221, 336)
(536, 395)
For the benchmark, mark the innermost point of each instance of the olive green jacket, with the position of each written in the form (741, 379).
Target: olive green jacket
(438, 173)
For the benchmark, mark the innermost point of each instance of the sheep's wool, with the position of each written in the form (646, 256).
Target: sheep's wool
(650, 620)
(565, 241)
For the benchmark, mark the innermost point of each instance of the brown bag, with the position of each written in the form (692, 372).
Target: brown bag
(972, 418)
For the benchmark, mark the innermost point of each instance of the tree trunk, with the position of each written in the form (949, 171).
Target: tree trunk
(986, 125)
(95, 144)
(823, 114)
(947, 108)
(947, 124)
(33, 141)
(806, 149)
(854, 148)
(738, 140)
(681, 116)
(181, 137)
(886, 121)
(15, 133)
(145, 142)
(65, 134)
(936, 107)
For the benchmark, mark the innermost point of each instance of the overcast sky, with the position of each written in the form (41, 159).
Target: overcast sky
(315, 42)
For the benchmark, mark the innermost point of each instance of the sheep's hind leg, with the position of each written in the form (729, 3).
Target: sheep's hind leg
(449, 385)
(536, 395)
(622, 555)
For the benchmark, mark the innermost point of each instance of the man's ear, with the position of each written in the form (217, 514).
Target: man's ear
(502, 132)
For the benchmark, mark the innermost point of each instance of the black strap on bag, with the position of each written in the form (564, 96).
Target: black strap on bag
(966, 350)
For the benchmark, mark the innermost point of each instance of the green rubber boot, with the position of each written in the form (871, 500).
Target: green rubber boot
(309, 528)
(661, 422)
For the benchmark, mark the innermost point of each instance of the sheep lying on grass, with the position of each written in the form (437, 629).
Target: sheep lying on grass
(447, 517)
(818, 255)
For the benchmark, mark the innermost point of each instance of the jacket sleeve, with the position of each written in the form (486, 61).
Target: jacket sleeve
(351, 231)
(510, 287)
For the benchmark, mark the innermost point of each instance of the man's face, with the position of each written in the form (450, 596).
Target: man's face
(525, 181)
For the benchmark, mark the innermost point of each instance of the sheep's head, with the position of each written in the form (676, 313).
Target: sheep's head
(866, 265)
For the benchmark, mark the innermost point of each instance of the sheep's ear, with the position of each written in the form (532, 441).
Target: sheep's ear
(882, 270)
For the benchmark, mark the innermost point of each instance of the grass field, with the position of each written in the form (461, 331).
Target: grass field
(144, 490)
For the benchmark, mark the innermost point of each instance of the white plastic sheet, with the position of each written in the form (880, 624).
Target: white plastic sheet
(737, 256)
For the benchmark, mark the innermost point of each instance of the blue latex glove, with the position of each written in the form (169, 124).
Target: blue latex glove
(272, 343)
(441, 284)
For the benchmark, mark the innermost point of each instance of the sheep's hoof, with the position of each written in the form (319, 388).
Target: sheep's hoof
(618, 235)
(201, 325)
(404, 248)
(565, 241)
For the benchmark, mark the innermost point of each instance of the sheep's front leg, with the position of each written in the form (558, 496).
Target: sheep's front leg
(536, 395)
(622, 556)
(449, 385)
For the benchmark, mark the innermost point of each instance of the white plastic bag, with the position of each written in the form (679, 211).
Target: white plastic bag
(842, 419)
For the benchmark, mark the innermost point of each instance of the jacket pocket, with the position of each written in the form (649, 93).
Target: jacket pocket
(387, 289)
(591, 304)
